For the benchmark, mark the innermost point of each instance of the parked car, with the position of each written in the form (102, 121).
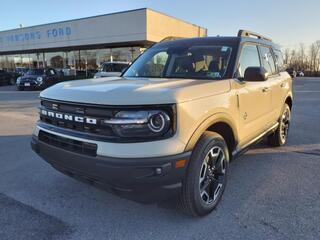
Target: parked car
(6, 78)
(38, 78)
(170, 125)
(300, 74)
(292, 72)
(111, 69)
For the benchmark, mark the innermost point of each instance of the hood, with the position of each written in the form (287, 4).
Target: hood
(133, 91)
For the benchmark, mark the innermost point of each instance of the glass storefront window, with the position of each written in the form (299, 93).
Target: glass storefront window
(55, 60)
(83, 62)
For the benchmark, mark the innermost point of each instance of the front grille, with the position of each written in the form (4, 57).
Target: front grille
(97, 113)
(71, 145)
(62, 117)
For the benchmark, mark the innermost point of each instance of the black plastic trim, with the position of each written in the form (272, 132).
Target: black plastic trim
(133, 178)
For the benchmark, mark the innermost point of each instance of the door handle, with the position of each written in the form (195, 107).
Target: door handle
(265, 89)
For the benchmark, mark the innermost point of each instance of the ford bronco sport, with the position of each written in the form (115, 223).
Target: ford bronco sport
(172, 122)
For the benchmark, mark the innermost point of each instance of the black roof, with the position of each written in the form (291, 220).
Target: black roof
(229, 41)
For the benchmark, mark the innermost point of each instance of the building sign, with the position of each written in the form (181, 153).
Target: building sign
(34, 36)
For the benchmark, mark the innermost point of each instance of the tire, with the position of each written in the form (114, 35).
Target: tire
(208, 167)
(279, 137)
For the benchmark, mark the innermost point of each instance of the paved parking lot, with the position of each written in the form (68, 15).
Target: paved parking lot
(271, 193)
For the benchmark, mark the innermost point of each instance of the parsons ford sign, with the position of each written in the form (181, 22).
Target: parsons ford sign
(33, 36)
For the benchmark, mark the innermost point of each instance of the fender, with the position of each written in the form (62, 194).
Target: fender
(215, 118)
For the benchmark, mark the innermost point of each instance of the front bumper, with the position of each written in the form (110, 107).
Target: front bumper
(144, 180)
(28, 84)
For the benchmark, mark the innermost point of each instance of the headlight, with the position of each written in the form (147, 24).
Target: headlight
(39, 80)
(18, 80)
(141, 124)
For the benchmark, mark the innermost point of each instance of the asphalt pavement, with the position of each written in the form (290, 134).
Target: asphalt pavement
(271, 193)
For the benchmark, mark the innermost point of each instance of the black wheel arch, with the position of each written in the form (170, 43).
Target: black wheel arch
(289, 102)
(223, 127)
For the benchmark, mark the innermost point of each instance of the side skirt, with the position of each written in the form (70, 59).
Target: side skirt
(241, 150)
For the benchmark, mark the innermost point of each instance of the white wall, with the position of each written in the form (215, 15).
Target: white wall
(119, 27)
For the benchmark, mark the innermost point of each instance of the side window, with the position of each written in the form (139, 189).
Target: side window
(267, 60)
(279, 60)
(249, 58)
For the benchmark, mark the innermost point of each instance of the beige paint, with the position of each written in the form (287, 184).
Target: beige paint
(244, 106)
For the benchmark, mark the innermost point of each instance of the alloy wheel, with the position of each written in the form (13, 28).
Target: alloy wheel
(284, 125)
(212, 175)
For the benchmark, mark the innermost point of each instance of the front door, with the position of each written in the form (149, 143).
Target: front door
(254, 98)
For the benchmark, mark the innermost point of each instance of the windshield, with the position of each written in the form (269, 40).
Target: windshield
(35, 72)
(197, 62)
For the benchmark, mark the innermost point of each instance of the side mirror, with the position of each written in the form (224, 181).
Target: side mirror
(255, 74)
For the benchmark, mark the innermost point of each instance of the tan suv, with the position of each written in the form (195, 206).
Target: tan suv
(172, 122)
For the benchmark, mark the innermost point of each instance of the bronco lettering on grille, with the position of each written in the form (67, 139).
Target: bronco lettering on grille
(69, 117)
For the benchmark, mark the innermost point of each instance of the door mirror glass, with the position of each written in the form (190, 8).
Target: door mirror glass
(255, 74)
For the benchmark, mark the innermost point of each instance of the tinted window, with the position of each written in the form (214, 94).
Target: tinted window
(195, 62)
(279, 60)
(107, 67)
(267, 60)
(249, 58)
(118, 67)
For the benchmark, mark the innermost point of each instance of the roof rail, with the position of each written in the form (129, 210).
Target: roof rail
(246, 33)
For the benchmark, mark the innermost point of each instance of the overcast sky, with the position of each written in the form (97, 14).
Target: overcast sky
(288, 22)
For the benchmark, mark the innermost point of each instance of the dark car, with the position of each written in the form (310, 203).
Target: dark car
(292, 72)
(6, 78)
(38, 78)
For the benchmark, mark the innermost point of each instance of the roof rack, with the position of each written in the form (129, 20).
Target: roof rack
(246, 33)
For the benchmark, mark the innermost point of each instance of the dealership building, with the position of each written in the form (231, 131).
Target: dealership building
(83, 44)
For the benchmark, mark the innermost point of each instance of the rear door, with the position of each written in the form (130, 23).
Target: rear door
(268, 61)
(280, 84)
(254, 98)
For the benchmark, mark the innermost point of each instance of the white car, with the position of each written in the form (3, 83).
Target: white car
(111, 69)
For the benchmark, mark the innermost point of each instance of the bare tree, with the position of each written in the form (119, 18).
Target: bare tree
(303, 58)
